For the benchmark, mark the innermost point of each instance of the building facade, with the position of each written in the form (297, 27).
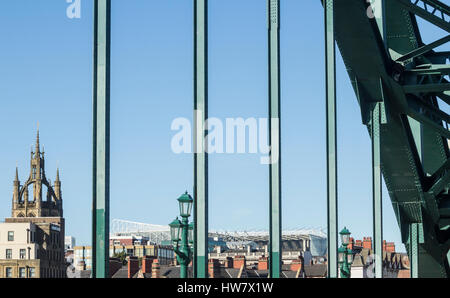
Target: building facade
(32, 240)
(164, 254)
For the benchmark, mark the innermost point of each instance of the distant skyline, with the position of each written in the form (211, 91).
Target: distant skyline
(46, 77)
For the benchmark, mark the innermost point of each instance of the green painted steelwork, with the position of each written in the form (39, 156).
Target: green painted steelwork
(377, 186)
(380, 14)
(427, 9)
(200, 152)
(183, 250)
(414, 250)
(101, 120)
(414, 134)
(345, 259)
(332, 208)
(273, 8)
(424, 49)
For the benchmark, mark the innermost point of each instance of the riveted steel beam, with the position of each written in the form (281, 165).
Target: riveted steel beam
(441, 19)
(200, 153)
(101, 134)
(424, 49)
(332, 201)
(414, 249)
(274, 138)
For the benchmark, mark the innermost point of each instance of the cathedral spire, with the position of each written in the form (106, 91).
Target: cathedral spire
(37, 140)
(16, 179)
(57, 175)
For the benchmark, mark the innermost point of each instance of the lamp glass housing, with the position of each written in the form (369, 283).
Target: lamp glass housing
(341, 255)
(175, 230)
(345, 236)
(349, 257)
(191, 233)
(185, 202)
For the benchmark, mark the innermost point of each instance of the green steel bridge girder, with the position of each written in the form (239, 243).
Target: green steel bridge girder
(273, 20)
(408, 78)
(200, 261)
(101, 132)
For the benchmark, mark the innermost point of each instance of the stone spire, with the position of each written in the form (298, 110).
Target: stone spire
(16, 179)
(58, 186)
(16, 189)
(37, 141)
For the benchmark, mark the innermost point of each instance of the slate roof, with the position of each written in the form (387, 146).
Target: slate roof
(173, 272)
(121, 273)
(85, 274)
(391, 260)
(316, 270)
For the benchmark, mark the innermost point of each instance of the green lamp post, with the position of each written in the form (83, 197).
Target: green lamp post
(181, 233)
(345, 254)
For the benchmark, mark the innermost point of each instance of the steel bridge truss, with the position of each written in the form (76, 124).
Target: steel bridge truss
(400, 84)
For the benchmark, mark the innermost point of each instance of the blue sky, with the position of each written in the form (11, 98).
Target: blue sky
(46, 76)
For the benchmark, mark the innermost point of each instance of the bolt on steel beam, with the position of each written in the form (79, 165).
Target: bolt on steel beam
(101, 134)
(200, 153)
(273, 9)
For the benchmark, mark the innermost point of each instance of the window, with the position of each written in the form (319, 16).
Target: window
(9, 253)
(32, 272)
(10, 236)
(23, 254)
(8, 272)
(22, 272)
(34, 172)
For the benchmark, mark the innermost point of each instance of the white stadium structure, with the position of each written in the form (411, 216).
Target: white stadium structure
(159, 233)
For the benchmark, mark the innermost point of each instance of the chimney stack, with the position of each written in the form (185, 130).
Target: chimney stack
(367, 242)
(352, 242)
(297, 264)
(213, 268)
(133, 266)
(263, 263)
(229, 262)
(147, 264)
(155, 269)
(238, 262)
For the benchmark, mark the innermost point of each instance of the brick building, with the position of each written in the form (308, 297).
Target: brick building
(32, 240)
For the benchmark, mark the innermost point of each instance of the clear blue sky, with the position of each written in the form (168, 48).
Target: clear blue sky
(46, 76)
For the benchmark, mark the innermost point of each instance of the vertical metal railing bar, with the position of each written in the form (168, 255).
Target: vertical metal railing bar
(414, 249)
(376, 189)
(331, 134)
(273, 8)
(101, 141)
(376, 121)
(200, 153)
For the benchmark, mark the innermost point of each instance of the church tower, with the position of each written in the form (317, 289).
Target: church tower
(23, 205)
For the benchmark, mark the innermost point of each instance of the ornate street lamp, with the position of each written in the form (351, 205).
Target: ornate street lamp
(182, 231)
(345, 255)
